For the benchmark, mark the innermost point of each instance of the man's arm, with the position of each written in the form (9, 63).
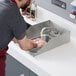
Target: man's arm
(25, 43)
(28, 44)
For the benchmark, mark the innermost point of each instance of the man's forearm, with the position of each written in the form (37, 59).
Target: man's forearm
(26, 44)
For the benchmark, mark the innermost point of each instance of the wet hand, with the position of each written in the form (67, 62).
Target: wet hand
(40, 43)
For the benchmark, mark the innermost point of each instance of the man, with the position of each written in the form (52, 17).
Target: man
(12, 25)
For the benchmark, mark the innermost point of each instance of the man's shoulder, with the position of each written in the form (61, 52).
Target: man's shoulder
(7, 5)
(8, 9)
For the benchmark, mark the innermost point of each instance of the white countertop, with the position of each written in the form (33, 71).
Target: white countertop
(60, 61)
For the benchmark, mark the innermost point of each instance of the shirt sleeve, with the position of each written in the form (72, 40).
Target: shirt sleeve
(17, 24)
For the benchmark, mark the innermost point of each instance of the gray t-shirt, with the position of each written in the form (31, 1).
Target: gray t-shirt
(12, 23)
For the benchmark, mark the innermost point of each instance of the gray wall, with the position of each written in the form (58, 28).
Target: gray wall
(55, 9)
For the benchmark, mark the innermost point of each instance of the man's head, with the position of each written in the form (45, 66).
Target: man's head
(23, 3)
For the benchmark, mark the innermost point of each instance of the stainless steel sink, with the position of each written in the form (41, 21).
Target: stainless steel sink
(54, 36)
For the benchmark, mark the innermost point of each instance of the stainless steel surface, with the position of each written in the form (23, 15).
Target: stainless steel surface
(54, 35)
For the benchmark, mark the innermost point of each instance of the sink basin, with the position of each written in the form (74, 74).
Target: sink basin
(53, 34)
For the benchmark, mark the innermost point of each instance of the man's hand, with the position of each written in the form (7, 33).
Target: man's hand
(40, 43)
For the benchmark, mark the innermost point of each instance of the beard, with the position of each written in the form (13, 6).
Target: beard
(23, 7)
